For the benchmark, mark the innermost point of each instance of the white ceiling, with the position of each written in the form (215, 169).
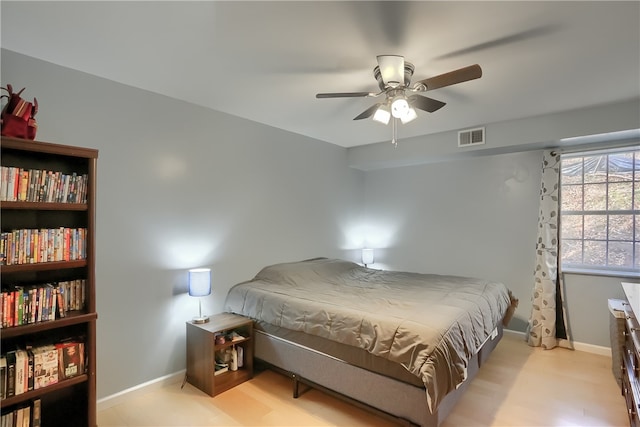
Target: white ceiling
(265, 61)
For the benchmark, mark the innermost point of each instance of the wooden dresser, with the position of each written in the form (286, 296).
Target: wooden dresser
(631, 353)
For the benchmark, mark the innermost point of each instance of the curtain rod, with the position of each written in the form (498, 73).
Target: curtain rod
(607, 145)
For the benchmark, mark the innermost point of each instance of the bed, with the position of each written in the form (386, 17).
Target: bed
(403, 344)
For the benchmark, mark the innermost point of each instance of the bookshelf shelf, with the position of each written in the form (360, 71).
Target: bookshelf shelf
(71, 319)
(43, 206)
(70, 401)
(44, 266)
(30, 395)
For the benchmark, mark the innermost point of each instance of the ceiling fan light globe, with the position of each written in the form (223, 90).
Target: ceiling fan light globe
(382, 115)
(399, 107)
(409, 116)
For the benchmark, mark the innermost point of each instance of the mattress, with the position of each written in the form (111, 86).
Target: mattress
(429, 325)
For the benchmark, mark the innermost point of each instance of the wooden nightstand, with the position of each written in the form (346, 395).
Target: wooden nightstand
(202, 351)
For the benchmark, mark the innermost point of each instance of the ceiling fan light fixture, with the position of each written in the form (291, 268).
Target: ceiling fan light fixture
(399, 106)
(382, 115)
(391, 69)
(409, 116)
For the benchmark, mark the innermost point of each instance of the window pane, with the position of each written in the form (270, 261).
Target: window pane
(571, 226)
(595, 197)
(595, 169)
(636, 196)
(572, 171)
(620, 167)
(637, 260)
(620, 194)
(572, 251)
(621, 254)
(595, 253)
(572, 198)
(621, 227)
(595, 227)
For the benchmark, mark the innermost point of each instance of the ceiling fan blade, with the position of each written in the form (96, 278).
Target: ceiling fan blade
(453, 77)
(391, 69)
(343, 95)
(426, 104)
(368, 112)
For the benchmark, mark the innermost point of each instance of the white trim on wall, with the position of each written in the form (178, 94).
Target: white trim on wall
(120, 397)
(579, 346)
(140, 389)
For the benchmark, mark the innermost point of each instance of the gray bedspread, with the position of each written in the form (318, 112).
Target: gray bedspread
(430, 324)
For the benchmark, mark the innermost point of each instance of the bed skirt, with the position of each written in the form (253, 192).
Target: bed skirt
(404, 402)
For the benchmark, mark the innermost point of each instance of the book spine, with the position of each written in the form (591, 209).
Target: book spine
(4, 179)
(3, 377)
(36, 419)
(23, 185)
(11, 373)
(30, 369)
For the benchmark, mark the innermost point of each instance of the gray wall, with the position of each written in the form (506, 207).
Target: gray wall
(469, 217)
(180, 186)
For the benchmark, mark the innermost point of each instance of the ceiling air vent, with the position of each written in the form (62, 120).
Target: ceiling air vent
(470, 137)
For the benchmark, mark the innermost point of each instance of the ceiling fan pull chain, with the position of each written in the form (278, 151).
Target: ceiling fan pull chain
(394, 128)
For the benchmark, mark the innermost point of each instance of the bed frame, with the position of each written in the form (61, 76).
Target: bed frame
(403, 403)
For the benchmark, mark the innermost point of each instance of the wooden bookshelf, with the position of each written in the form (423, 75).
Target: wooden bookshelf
(70, 401)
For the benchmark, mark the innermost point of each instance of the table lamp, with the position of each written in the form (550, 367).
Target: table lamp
(200, 286)
(367, 256)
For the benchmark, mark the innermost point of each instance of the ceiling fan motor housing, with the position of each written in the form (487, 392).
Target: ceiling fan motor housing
(408, 73)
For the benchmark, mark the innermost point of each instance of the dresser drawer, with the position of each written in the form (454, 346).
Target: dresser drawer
(629, 390)
(631, 366)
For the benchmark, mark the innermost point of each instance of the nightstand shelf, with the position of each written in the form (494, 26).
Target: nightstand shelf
(202, 351)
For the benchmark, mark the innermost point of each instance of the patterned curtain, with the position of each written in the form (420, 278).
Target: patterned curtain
(547, 326)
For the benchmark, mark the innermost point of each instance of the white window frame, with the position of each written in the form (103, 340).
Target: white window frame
(605, 269)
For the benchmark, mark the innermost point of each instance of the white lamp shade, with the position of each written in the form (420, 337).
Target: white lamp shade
(367, 256)
(382, 115)
(409, 116)
(399, 107)
(199, 282)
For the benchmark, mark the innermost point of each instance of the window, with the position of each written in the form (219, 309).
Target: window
(599, 210)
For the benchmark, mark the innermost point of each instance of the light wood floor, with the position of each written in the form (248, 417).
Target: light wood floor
(518, 386)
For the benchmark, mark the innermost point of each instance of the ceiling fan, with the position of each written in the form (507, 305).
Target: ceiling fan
(394, 74)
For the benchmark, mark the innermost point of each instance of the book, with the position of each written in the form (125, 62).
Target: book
(30, 368)
(23, 185)
(18, 418)
(11, 373)
(23, 416)
(45, 359)
(220, 368)
(37, 411)
(21, 379)
(60, 294)
(70, 359)
(3, 377)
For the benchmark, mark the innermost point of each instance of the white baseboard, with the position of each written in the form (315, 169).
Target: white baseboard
(114, 399)
(578, 346)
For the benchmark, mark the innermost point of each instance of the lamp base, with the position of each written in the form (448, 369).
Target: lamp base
(201, 319)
